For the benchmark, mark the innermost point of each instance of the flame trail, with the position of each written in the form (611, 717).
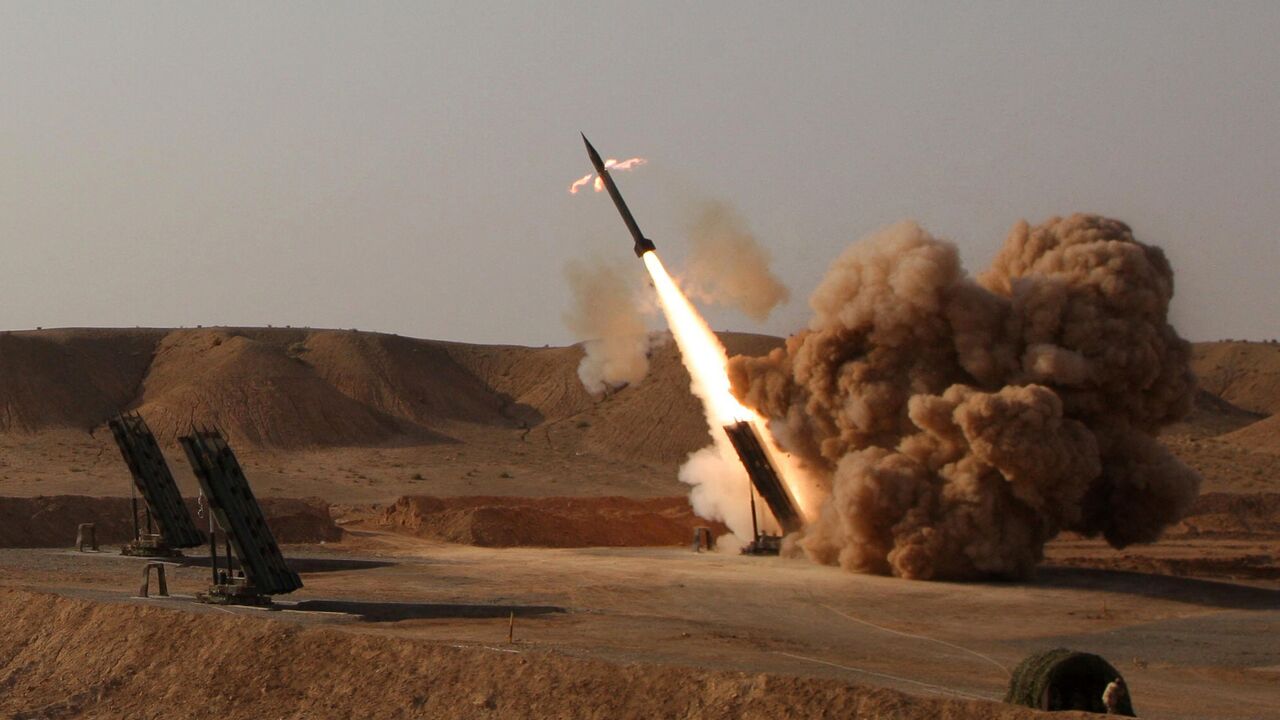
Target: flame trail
(610, 164)
(720, 482)
(718, 477)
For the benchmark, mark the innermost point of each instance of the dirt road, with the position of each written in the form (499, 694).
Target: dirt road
(1189, 648)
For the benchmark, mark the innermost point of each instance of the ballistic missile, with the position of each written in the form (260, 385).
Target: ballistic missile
(643, 244)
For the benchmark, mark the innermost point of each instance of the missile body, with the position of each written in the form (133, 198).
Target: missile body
(643, 244)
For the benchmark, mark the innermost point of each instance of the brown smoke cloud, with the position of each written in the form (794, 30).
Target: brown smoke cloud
(727, 265)
(607, 314)
(962, 423)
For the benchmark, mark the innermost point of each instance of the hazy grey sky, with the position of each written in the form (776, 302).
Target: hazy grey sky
(403, 167)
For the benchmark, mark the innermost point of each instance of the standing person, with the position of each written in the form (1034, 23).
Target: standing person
(1114, 695)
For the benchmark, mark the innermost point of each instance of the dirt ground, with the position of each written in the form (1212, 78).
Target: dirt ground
(53, 521)
(165, 663)
(1189, 621)
(1190, 648)
(547, 522)
(494, 441)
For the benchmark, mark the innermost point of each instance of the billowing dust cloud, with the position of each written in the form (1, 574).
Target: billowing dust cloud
(607, 314)
(728, 266)
(961, 423)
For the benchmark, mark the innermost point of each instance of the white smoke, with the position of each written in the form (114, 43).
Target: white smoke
(607, 314)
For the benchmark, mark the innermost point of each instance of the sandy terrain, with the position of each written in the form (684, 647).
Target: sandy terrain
(392, 416)
(1190, 648)
(52, 521)
(484, 439)
(296, 669)
(545, 522)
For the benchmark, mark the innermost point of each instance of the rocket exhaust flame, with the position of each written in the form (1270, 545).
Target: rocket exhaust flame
(705, 358)
(717, 473)
(701, 349)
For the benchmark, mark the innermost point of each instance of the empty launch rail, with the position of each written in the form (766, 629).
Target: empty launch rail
(152, 478)
(231, 502)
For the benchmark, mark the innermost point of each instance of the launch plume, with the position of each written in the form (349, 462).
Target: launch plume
(719, 481)
(727, 265)
(607, 314)
(707, 362)
(958, 424)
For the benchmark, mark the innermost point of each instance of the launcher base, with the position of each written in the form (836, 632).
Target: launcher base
(234, 591)
(151, 546)
(764, 544)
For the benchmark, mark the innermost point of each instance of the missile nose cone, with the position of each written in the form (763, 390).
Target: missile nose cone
(596, 162)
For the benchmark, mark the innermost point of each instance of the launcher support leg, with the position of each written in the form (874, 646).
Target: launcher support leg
(702, 539)
(213, 550)
(161, 585)
(86, 533)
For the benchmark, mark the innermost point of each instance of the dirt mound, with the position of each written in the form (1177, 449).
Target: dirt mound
(1231, 537)
(282, 388)
(266, 387)
(299, 388)
(66, 657)
(70, 378)
(299, 520)
(416, 380)
(1246, 374)
(1252, 515)
(541, 384)
(1255, 567)
(51, 521)
(1226, 466)
(1211, 416)
(547, 522)
(255, 391)
(1262, 436)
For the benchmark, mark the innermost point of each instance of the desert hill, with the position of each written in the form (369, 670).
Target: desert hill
(1263, 436)
(1233, 433)
(355, 415)
(70, 378)
(258, 391)
(279, 387)
(294, 389)
(1212, 416)
(1246, 374)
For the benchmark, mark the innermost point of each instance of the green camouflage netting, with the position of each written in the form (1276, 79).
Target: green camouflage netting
(1062, 679)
